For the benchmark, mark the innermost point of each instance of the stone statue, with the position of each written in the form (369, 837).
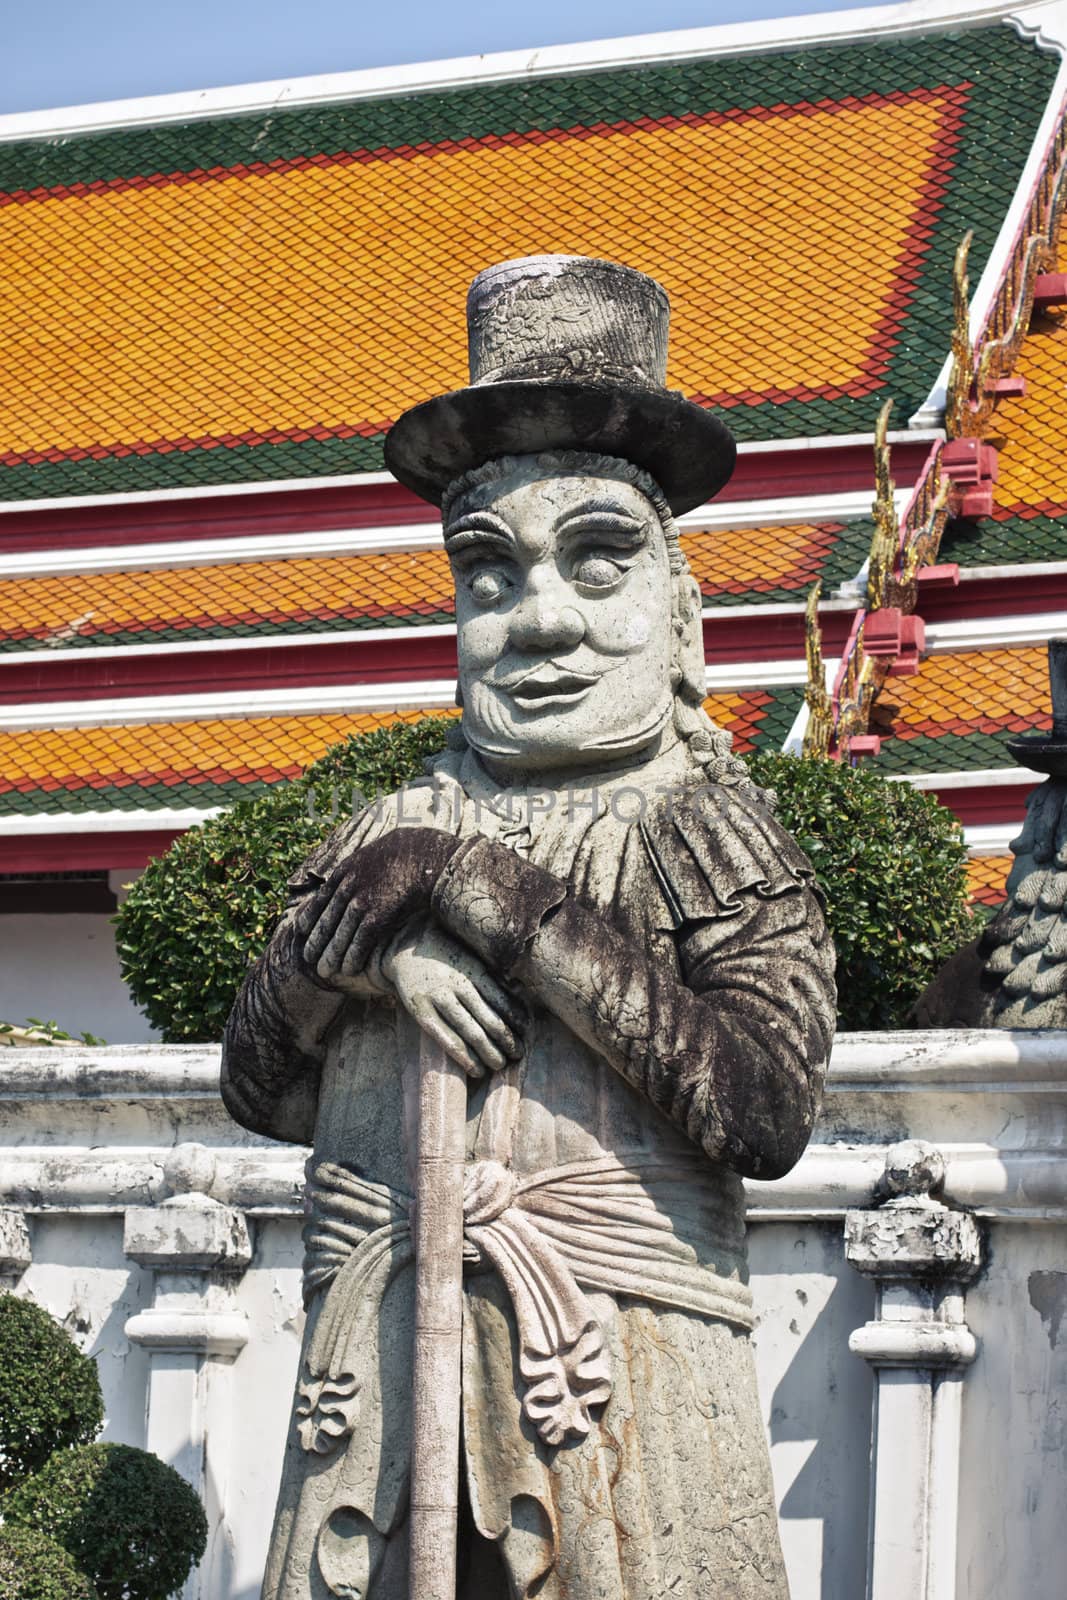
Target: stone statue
(1014, 975)
(591, 909)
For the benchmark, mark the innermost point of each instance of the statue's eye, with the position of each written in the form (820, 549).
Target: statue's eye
(487, 585)
(597, 572)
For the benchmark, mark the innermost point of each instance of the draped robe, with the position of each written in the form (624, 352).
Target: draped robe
(674, 957)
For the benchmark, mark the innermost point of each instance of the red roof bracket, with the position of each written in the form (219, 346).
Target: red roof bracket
(896, 638)
(865, 744)
(1013, 388)
(974, 503)
(882, 631)
(945, 576)
(912, 645)
(970, 461)
(1050, 289)
(972, 466)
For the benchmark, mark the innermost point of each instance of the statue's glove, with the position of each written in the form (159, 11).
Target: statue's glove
(365, 901)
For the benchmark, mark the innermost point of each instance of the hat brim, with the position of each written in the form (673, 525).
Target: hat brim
(685, 449)
(1041, 752)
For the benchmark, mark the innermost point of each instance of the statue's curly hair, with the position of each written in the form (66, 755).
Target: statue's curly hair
(708, 745)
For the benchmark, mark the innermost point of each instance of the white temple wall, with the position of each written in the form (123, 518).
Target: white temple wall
(816, 1398)
(1013, 1455)
(198, 1361)
(66, 968)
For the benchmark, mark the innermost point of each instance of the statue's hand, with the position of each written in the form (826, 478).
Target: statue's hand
(453, 997)
(368, 899)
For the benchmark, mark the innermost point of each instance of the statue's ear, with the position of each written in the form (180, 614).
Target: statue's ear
(689, 649)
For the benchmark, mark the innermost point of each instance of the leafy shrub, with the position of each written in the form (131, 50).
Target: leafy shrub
(35, 1567)
(49, 1391)
(131, 1522)
(35, 1031)
(891, 862)
(889, 858)
(200, 913)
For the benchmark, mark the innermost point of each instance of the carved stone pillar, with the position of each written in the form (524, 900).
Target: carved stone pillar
(197, 1249)
(921, 1254)
(15, 1249)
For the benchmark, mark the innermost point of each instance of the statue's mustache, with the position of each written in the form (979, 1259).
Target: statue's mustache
(548, 671)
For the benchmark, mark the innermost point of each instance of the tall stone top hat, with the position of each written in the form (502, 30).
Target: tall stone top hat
(1047, 752)
(566, 353)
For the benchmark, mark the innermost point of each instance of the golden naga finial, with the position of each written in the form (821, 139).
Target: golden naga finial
(820, 726)
(961, 372)
(885, 545)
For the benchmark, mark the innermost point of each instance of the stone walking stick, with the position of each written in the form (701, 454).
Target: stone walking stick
(438, 1324)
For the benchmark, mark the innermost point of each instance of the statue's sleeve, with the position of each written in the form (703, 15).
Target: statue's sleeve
(274, 1044)
(734, 1049)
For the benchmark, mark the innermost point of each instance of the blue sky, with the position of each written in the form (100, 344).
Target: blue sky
(66, 52)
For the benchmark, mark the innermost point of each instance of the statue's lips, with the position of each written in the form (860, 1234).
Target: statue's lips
(543, 688)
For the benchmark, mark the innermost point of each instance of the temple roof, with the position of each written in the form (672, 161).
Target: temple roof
(391, 588)
(209, 321)
(1029, 520)
(960, 708)
(201, 763)
(255, 297)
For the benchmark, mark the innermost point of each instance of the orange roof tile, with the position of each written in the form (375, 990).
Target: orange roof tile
(986, 878)
(741, 714)
(1030, 467)
(754, 561)
(264, 277)
(318, 592)
(1029, 521)
(960, 709)
(178, 763)
(249, 596)
(289, 282)
(209, 762)
(969, 691)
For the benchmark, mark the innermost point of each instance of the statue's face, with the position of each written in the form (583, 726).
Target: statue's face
(563, 602)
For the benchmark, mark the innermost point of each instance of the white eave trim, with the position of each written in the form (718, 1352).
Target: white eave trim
(764, 36)
(1001, 633)
(983, 839)
(50, 823)
(990, 838)
(412, 694)
(988, 778)
(365, 480)
(390, 539)
(315, 700)
(1013, 570)
(406, 634)
(1048, 25)
(200, 647)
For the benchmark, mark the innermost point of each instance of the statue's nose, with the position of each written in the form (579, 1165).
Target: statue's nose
(540, 623)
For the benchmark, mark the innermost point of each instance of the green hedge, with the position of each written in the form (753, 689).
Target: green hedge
(35, 1567)
(128, 1520)
(49, 1391)
(890, 859)
(202, 911)
(892, 863)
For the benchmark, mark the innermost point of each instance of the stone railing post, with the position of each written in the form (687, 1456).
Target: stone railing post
(197, 1250)
(16, 1252)
(921, 1254)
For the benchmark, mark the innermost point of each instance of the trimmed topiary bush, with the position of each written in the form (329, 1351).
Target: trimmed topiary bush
(131, 1522)
(202, 912)
(35, 1567)
(49, 1391)
(891, 861)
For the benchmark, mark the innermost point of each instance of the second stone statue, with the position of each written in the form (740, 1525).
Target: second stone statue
(588, 907)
